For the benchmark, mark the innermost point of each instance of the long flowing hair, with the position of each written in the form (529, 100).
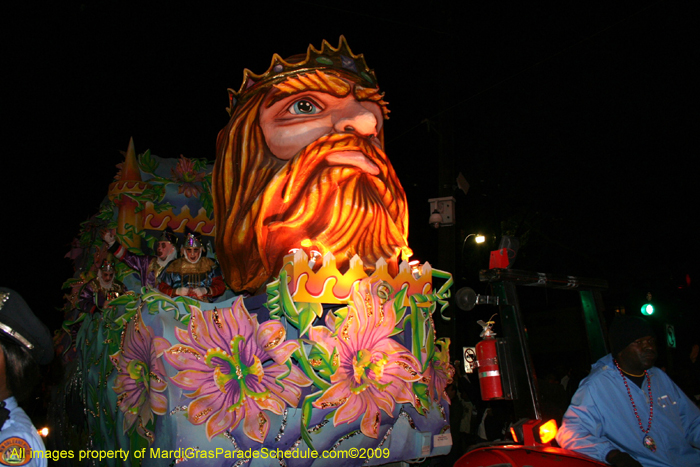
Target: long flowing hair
(242, 170)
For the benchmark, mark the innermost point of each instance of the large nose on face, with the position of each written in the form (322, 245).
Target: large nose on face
(354, 118)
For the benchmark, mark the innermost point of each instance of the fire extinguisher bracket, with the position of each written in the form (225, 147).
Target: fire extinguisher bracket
(508, 380)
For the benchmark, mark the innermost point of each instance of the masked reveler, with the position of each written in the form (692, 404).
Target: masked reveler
(301, 163)
(193, 274)
(97, 293)
(148, 267)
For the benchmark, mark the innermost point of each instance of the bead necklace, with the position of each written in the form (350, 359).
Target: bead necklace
(648, 441)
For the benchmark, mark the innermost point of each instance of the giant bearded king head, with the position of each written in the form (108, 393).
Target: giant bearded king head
(301, 164)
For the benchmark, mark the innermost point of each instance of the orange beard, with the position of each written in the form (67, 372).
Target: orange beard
(340, 208)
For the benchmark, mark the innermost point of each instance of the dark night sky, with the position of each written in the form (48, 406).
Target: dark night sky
(575, 122)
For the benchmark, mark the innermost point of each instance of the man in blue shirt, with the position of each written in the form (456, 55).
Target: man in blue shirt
(629, 413)
(25, 343)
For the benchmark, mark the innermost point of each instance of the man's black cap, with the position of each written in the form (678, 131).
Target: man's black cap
(626, 329)
(18, 322)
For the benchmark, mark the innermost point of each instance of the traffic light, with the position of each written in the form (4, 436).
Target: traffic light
(648, 308)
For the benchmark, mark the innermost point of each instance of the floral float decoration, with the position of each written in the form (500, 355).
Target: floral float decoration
(188, 177)
(141, 379)
(357, 360)
(374, 372)
(223, 359)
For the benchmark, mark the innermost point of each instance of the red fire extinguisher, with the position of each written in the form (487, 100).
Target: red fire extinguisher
(487, 361)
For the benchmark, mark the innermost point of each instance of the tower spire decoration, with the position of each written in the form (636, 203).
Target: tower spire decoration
(122, 192)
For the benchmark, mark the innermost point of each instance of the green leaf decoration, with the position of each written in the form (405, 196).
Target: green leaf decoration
(154, 193)
(125, 238)
(149, 240)
(417, 320)
(308, 312)
(188, 301)
(160, 207)
(122, 300)
(284, 303)
(273, 303)
(205, 197)
(147, 163)
(280, 378)
(306, 411)
(157, 302)
(422, 396)
(430, 342)
(301, 315)
(199, 165)
(400, 310)
(307, 368)
(322, 362)
(340, 314)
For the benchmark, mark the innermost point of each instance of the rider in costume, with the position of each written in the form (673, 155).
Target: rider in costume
(98, 292)
(193, 274)
(148, 267)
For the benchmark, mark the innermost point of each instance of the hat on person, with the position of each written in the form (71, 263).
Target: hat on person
(193, 240)
(18, 322)
(108, 265)
(626, 329)
(168, 236)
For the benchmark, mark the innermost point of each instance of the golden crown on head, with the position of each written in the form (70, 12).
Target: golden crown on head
(340, 60)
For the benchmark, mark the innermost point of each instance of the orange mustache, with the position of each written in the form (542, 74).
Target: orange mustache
(334, 150)
(341, 193)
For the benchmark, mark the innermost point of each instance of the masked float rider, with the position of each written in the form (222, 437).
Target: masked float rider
(148, 267)
(193, 274)
(98, 292)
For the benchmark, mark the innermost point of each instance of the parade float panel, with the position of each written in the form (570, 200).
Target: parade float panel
(325, 341)
(148, 195)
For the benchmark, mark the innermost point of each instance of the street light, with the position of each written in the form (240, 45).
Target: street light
(479, 239)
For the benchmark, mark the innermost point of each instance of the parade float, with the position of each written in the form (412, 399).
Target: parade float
(322, 347)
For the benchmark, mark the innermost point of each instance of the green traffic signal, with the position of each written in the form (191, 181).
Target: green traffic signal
(647, 309)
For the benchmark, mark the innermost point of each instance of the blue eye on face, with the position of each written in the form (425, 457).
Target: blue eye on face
(304, 107)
